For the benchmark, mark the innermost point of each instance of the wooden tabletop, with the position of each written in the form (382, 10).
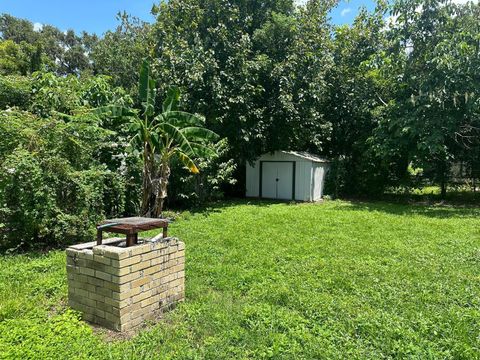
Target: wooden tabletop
(130, 226)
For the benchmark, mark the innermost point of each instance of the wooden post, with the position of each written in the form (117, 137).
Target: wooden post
(132, 239)
(99, 237)
(165, 232)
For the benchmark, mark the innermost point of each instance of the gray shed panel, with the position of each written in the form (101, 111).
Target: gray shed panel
(271, 173)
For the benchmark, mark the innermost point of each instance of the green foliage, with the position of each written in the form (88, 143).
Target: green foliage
(53, 93)
(187, 189)
(14, 59)
(158, 137)
(254, 69)
(355, 280)
(15, 91)
(120, 52)
(432, 122)
(380, 97)
(377, 96)
(37, 340)
(70, 94)
(32, 319)
(52, 191)
(25, 50)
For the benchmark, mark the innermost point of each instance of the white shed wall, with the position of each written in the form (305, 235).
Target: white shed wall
(303, 180)
(309, 176)
(318, 180)
(303, 171)
(252, 180)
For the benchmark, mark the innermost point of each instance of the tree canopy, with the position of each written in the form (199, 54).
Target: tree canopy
(392, 99)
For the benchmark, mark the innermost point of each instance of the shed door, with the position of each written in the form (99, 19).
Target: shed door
(277, 180)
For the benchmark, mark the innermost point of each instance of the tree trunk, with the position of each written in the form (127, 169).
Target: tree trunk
(147, 182)
(443, 193)
(161, 193)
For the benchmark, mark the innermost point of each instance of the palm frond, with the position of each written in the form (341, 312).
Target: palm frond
(188, 162)
(143, 82)
(175, 135)
(183, 119)
(199, 134)
(146, 88)
(171, 100)
(202, 150)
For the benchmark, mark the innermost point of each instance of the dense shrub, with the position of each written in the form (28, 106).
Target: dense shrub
(70, 94)
(14, 91)
(187, 189)
(52, 188)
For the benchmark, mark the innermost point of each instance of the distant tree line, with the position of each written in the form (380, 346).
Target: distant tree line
(392, 99)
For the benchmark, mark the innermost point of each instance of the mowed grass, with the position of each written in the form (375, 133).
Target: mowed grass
(264, 280)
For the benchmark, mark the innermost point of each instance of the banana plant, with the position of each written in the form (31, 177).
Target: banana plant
(162, 136)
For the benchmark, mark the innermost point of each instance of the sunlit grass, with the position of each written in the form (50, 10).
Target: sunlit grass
(266, 280)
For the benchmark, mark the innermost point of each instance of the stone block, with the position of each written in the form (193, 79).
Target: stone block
(119, 271)
(126, 278)
(87, 271)
(95, 281)
(140, 266)
(101, 259)
(126, 294)
(141, 281)
(119, 287)
(103, 275)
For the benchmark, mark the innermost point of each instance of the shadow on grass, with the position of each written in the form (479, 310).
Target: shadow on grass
(392, 206)
(218, 206)
(453, 197)
(435, 210)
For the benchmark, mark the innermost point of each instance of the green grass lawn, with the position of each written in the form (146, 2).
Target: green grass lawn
(312, 281)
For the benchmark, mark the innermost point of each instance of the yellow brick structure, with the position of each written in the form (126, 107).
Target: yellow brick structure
(121, 287)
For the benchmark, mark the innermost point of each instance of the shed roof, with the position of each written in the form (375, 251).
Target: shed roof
(307, 156)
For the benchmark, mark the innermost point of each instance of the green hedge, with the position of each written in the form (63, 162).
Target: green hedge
(52, 188)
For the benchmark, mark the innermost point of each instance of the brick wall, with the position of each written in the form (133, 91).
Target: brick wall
(119, 288)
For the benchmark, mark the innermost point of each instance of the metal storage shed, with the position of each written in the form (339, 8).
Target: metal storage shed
(287, 175)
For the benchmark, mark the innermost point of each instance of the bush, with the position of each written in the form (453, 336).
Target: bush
(70, 94)
(187, 189)
(52, 189)
(14, 91)
(45, 207)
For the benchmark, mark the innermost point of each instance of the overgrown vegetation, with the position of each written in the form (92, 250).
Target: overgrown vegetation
(392, 100)
(264, 280)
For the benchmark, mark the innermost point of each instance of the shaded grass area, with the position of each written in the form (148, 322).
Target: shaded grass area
(273, 280)
(459, 195)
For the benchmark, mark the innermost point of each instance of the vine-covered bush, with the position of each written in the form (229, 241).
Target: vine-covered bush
(14, 91)
(70, 94)
(64, 166)
(52, 188)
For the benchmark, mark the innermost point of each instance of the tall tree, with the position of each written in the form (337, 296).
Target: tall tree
(358, 93)
(17, 30)
(64, 53)
(258, 76)
(119, 53)
(435, 113)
